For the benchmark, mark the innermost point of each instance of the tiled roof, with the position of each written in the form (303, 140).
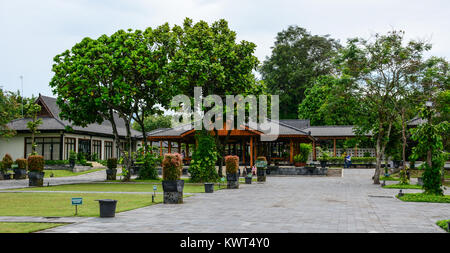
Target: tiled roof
(57, 123)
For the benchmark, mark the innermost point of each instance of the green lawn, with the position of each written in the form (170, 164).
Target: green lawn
(403, 186)
(59, 204)
(26, 227)
(420, 197)
(383, 178)
(114, 187)
(67, 173)
(443, 224)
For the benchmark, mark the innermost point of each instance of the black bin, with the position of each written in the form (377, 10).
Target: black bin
(209, 187)
(107, 207)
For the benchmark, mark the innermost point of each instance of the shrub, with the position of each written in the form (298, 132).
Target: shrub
(203, 164)
(36, 163)
(366, 154)
(72, 157)
(261, 158)
(21, 163)
(7, 162)
(232, 164)
(56, 162)
(298, 158)
(172, 166)
(94, 157)
(111, 163)
(324, 154)
(149, 161)
(305, 150)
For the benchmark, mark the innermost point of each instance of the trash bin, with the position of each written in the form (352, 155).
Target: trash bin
(209, 187)
(107, 207)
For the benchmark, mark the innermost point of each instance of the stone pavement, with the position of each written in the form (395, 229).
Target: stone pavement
(282, 204)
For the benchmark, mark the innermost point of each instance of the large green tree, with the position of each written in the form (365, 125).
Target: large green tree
(209, 57)
(382, 68)
(297, 59)
(8, 111)
(153, 122)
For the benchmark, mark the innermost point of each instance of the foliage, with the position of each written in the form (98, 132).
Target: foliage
(8, 111)
(232, 164)
(35, 163)
(150, 161)
(297, 59)
(21, 163)
(7, 161)
(72, 157)
(304, 151)
(324, 154)
(443, 224)
(172, 165)
(56, 162)
(32, 111)
(153, 122)
(328, 103)
(421, 197)
(111, 163)
(404, 177)
(203, 163)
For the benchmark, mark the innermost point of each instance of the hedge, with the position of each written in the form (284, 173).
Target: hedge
(111, 163)
(7, 162)
(36, 163)
(56, 162)
(355, 160)
(232, 164)
(21, 163)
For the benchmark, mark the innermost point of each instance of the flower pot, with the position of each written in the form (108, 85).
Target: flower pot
(299, 164)
(173, 191)
(248, 180)
(261, 173)
(232, 181)
(107, 207)
(20, 173)
(111, 174)
(36, 178)
(209, 187)
(323, 164)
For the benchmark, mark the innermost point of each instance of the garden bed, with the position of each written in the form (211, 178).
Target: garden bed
(26, 227)
(443, 224)
(420, 197)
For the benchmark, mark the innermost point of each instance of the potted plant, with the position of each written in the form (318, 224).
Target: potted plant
(324, 157)
(298, 161)
(172, 165)
(232, 164)
(21, 171)
(111, 170)
(35, 170)
(248, 178)
(72, 159)
(302, 157)
(261, 166)
(6, 164)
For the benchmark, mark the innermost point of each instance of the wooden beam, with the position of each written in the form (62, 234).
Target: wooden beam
(251, 151)
(179, 147)
(334, 146)
(169, 149)
(244, 151)
(291, 151)
(187, 150)
(160, 148)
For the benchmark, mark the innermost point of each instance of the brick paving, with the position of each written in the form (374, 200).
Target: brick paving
(283, 204)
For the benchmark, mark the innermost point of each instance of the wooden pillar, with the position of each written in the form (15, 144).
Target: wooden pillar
(169, 149)
(179, 147)
(187, 150)
(314, 150)
(356, 151)
(334, 147)
(160, 148)
(244, 151)
(251, 151)
(291, 151)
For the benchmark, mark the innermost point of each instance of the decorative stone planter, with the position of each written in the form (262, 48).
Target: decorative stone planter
(261, 173)
(248, 180)
(173, 191)
(35, 178)
(20, 173)
(111, 174)
(233, 181)
(209, 187)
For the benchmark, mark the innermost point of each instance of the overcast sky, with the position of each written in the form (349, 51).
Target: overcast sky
(33, 32)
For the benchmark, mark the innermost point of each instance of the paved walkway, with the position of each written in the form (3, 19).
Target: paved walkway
(282, 204)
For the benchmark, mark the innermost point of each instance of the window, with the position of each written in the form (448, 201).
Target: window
(108, 150)
(69, 146)
(97, 148)
(48, 147)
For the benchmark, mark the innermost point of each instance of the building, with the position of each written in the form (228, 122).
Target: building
(247, 144)
(54, 141)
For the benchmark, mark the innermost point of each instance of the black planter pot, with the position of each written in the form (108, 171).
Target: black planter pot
(209, 187)
(397, 163)
(107, 208)
(323, 164)
(20, 173)
(233, 181)
(111, 174)
(261, 173)
(173, 191)
(36, 178)
(6, 176)
(248, 180)
(249, 170)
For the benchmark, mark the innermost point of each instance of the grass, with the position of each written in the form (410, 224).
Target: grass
(26, 227)
(421, 197)
(389, 178)
(443, 224)
(67, 173)
(403, 186)
(113, 187)
(59, 204)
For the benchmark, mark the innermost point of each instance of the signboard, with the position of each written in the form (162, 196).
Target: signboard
(77, 201)
(154, 188)
(261, 164)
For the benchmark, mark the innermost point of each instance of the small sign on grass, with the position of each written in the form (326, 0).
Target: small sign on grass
(76, 202)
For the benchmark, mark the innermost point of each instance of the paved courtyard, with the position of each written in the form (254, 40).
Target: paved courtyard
(283, 204)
